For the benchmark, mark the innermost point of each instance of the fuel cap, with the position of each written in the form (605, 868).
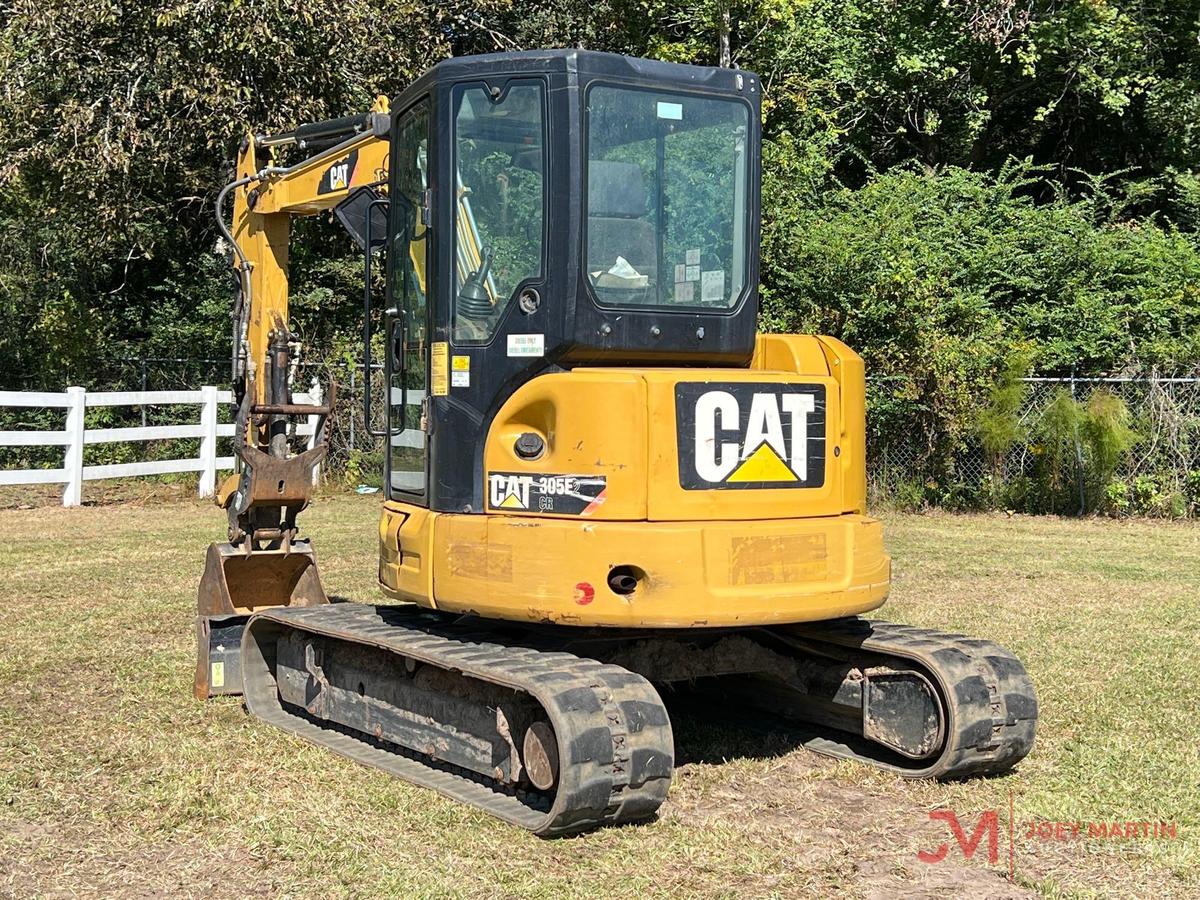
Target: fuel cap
(530, 445)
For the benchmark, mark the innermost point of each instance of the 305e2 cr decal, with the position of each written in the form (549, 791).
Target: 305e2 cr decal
(570, 495)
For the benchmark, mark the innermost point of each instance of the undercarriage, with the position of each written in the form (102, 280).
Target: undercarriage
(560, 730)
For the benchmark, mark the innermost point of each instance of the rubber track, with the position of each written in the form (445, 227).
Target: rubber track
(615, 745)
(991, 707)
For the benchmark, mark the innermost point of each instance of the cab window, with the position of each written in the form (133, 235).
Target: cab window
(499, 218)
(667, 198)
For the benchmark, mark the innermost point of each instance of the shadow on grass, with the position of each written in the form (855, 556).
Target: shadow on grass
(708, 732)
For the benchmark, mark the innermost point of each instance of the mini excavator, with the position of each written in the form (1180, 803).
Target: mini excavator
(603, 486)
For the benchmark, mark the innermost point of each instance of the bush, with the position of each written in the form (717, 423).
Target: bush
(944, 280)
(1000, 426)
(1105, 428)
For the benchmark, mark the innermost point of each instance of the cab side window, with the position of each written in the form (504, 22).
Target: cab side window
(499, 218)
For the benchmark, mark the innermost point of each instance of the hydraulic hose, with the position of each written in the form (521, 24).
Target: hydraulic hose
(244, 265)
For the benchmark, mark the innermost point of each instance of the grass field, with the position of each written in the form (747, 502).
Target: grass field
(114, 781)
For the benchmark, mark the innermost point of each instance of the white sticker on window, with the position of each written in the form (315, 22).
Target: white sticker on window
(693, 257)
(680, 273)
(670, 110)
(526, 345)
(693, 273)
(712, 285)
(685, 292)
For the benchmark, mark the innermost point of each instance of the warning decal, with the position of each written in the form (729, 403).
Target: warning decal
(750, 435)
(439, 368)
(568, 495)
(460, 371)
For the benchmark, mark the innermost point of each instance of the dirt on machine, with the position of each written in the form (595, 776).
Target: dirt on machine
(602, 484)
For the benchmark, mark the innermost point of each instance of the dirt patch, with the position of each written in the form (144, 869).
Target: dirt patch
(872, 837)
(869, 831)
(58, 861)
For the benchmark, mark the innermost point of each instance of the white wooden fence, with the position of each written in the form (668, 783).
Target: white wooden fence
(74, 436)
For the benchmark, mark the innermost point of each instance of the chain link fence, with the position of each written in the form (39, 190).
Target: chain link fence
(1159, 473)
(355, 449)
(1050, 465)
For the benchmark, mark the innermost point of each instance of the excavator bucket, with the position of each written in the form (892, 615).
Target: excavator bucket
(236, 584)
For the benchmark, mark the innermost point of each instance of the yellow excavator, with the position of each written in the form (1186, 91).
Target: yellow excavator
(603, 486)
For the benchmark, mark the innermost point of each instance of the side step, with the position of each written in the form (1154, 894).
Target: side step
(614, 748)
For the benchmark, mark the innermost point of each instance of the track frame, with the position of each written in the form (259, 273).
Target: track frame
(614, 740)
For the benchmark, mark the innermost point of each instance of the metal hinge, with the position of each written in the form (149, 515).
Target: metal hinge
(427, 208)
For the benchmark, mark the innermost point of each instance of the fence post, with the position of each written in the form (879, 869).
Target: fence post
(73, 457)
(313, 421)
(1078, 454)
(208, 441)
(353, 403)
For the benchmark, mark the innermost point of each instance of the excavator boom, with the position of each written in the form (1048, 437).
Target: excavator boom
(264, 563)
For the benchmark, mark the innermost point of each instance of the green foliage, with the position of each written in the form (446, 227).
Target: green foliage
(1117, 496)
(1057, 447)
(999, 424)
(115, 143)
(1106, 430)
(1085, 441)
(947, 187)
(507, 202)
(1191, 490)
(1148, 495)
(1078, 449)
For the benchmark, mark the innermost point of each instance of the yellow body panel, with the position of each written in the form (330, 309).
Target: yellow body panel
(406, 551)
(591, 421)
(697, 574)
(703, 558)
(799, 353)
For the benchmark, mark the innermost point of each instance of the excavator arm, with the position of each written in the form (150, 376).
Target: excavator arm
(265, 563)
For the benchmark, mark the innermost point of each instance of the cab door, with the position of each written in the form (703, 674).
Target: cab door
(407, 357)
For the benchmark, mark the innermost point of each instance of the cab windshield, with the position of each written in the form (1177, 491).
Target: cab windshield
(666, 198)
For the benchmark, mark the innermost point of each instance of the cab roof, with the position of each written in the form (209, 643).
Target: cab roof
(589, 63)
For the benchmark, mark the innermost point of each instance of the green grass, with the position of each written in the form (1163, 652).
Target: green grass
(113, 780)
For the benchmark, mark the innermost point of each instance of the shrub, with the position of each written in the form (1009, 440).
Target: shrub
(1000, 426)
(1105, 427)
(1057, 447)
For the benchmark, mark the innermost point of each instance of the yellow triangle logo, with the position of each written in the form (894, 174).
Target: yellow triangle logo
(511, 502)
(763, 464)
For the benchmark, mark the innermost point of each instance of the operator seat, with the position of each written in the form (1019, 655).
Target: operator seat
(617, 225)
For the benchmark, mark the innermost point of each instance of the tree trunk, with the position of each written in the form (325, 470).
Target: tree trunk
(726, 57)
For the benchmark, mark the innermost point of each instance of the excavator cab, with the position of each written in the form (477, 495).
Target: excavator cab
(548, 211)
(570, 316)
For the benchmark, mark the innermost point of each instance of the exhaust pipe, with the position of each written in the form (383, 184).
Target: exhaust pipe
(624, 580)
